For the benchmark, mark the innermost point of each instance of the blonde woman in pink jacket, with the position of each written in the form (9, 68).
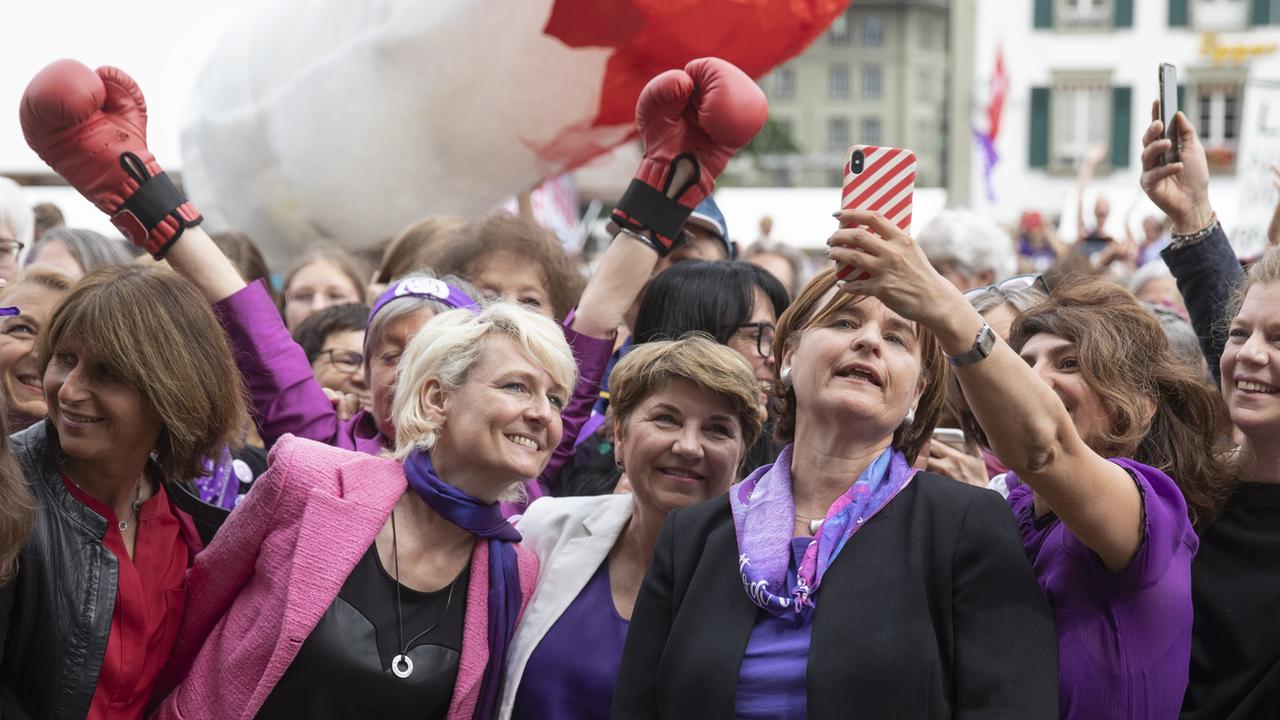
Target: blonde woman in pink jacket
(351, 586)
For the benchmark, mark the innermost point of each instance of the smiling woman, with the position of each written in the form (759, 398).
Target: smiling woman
(140, 387)
(34, 293)
(685, 412)
(413, 579)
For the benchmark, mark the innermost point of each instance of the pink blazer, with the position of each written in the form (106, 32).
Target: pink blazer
(262, 585)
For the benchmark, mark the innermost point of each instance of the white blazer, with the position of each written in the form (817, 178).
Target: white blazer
(571, 537)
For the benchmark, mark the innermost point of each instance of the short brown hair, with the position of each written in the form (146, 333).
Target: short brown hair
(1125, 359)
(1266, 269)
(159, 336)
(417, 247)
(804, 313)
(519, 236)
(651, 366)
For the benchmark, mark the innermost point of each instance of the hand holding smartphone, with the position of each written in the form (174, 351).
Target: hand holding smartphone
(882, 180)
(1169, 107)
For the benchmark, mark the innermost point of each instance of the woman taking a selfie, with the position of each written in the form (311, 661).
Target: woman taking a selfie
(837, 579)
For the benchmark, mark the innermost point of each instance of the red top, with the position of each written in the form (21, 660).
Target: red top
(150, 596)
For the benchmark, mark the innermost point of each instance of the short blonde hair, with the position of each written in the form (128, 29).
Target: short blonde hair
(450, 345)
(649, 367)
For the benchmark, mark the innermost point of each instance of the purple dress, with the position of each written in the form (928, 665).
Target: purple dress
(1124, 639)
(771, 679)
(287, 399)
(572, 671)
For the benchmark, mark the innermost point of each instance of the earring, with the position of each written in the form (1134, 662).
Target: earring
(617, 462)
(911, 416)
(785, 376)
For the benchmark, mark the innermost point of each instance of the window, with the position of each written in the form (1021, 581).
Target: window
(784, 84)
(1212, 15)
(872, 32)
(1085, 13)
(838, 82)
(870, 131)
(871, 81)
(1217, 107)
(1080, 119)
(837, 134)
(838, 33)
(924, 86)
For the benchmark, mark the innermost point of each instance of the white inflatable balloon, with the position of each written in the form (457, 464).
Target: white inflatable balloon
(346, 120)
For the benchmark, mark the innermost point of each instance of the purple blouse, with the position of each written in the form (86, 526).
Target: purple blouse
(287, 398)
(771, 679)
(573, 670)
(1124, 639)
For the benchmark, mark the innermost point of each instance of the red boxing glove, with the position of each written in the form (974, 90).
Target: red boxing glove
(691, 122)
(91, 128)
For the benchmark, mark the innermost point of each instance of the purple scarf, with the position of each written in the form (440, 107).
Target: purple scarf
(764, 519)
(482, 520)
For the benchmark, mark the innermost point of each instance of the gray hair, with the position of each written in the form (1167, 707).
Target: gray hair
(970, 239)
(1147, 273)
(91, 249)
(15, 211)
(1183, 342)
(409, 304)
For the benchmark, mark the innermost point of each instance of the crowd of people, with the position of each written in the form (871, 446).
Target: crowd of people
(992, 475)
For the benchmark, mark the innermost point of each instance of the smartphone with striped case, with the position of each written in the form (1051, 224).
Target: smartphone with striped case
(881, 180)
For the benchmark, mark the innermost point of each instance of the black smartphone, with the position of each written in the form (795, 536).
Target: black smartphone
(1168, 107)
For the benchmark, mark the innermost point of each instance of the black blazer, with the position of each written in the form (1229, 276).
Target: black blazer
(930, 611)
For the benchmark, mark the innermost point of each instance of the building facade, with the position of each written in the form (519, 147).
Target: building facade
(878, 76)
(1083, 74)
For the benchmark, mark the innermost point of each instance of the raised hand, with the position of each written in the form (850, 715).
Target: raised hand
(691, 121)
(91, 128)
(1180, 189)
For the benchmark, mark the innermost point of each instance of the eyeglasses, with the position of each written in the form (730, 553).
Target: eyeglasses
(10, 249)
(762, 333)
(1010, 284)
(344, 361)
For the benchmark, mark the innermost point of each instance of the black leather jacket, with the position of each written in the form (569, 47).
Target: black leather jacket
(55, 616)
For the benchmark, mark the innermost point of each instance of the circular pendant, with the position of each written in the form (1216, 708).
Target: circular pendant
(124, 525)
(402, 666)
(813, 526)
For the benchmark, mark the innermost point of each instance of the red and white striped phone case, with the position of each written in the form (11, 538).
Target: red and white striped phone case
(881, 180)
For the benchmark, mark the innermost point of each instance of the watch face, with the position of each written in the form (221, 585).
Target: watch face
(986, 340)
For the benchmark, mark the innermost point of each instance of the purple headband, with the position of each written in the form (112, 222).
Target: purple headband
(423, 287)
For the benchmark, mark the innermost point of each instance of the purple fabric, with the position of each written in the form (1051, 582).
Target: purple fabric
(217, 484)
(771, 679)
(764, 520)
(573, 670)
(422, 287)
(287, 399)
(1124, 639)
(482, 520)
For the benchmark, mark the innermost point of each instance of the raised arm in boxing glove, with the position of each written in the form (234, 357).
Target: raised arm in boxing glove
(691, 122)
(91, 128)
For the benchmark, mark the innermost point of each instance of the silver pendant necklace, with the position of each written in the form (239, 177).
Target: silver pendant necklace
(402, 664)
(137, 505)
(814, 523)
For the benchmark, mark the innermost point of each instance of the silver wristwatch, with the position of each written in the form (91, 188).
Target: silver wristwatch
(982, 347)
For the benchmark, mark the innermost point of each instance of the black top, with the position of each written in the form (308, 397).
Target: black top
(930, 611)
(343, 670)
(1235, 590)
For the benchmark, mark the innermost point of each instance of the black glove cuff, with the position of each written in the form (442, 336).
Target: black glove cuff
(643, 207)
